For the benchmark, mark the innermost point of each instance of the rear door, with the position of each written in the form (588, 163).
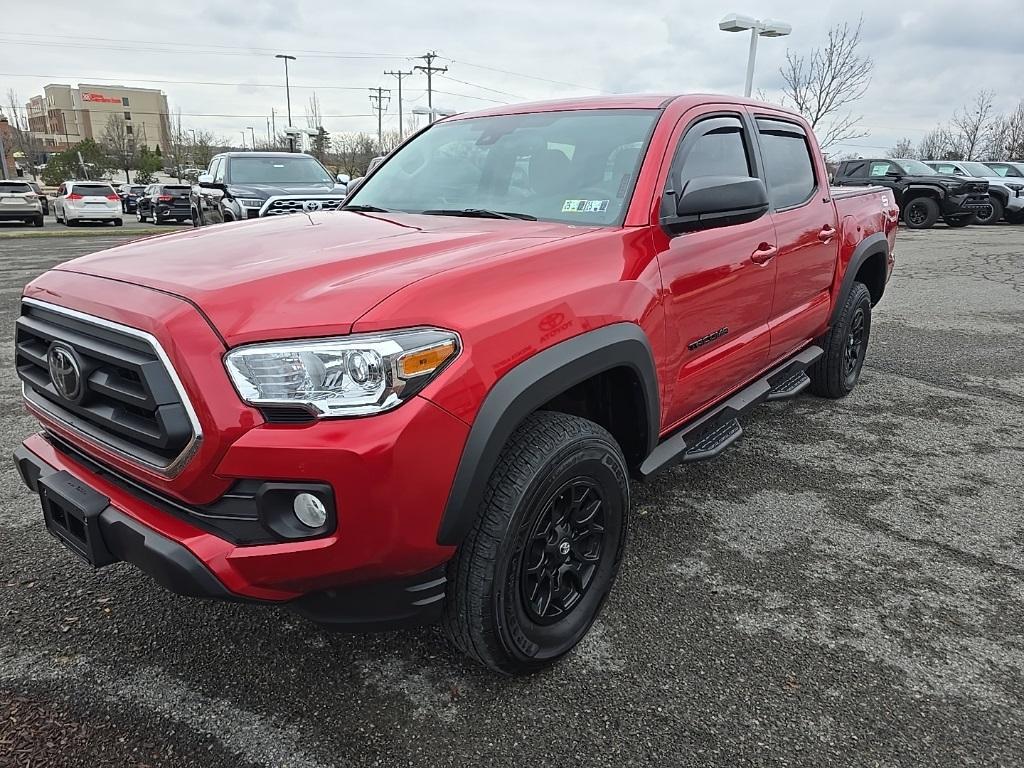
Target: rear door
(89, 197)
(807, 231)
(718, 282)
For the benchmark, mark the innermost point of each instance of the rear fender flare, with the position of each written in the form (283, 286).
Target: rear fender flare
(872, 245)
(526, 388)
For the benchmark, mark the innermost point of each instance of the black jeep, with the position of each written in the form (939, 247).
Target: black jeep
(922, 193)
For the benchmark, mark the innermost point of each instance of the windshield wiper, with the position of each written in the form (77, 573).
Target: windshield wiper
(479, 213)
(365, 209)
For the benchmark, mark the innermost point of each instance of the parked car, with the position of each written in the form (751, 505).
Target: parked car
(44, 201)
(19, 202)
(922, 194)
(1007, 170)
(426, 407)
(130, 194)
(164, 202)
(1006, 197)
(79, 201)
(247, 185)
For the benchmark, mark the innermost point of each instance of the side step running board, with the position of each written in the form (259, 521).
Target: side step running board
(709, 435)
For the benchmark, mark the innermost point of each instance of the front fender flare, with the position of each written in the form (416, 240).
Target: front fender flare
(527, 387)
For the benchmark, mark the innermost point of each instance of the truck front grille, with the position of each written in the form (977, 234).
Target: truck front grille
(279, 206)
(107, 382)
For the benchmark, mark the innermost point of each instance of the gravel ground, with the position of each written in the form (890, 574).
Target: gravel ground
(844, 587)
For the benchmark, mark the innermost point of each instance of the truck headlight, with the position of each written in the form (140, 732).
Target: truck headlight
(344, 376)
(1017, 188)
(251, 202)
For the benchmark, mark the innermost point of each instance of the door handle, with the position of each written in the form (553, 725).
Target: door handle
(765, 252)
(827, 233)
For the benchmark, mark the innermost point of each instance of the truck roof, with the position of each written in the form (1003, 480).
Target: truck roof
(618, 101)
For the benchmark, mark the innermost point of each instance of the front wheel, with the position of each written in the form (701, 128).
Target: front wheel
(921, 213)
(139, 216)
(1015, 217)
(532, 575)
(993, 214)
(837, 372)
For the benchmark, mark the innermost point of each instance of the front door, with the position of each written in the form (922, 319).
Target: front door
(718, 282)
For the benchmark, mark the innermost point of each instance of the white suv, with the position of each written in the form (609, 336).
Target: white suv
(1005, 195)
(19, 202)
(87, 201)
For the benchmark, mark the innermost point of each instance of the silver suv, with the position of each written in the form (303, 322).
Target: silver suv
(19, 202)
(1005, 195)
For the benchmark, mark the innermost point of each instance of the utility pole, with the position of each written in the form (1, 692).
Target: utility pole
(399, 74)
(430, 69)
(269, 144)
(253, 134)
(379, 102)
(243, 141)
(3, 157)
(273, 125)
(288, 96)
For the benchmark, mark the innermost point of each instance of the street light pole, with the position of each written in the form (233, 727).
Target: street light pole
(288, 96)
(243, 141)
(734, 22)
(253, 134)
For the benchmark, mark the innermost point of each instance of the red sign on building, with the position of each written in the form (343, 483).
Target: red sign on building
(90, 96)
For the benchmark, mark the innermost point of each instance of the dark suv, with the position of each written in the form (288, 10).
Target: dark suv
(164, 202)
(130, 194)
(248, 185)
(922, 193)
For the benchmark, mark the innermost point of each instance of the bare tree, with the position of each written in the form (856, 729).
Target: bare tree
(971, 129)
(903, 148)
(389, 141)
(354, 152)
(935, 145)
(822, 84)
(1007, 141)
(119, 144)
(24, 143)
(314, 116)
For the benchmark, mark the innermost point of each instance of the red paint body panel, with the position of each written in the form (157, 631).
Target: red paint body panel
(510, 288)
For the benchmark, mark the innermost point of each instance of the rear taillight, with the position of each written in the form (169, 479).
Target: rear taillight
(165, 198)
(112, 196)
(74, 196)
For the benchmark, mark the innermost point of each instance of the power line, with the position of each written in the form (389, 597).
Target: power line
(465, 63)
(85, 81)
(165, 49)
(430, 69)
(481, 87)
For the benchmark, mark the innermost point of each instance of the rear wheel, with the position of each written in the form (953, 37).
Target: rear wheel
(533, 573)
(921, 213)
(139, 215)
(837, 372)
(959, 221)
(118, 222)
(993, 214)
(39, 221)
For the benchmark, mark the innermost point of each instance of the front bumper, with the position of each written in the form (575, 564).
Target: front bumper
(169, 555)
(1015, 203)
(958, 205)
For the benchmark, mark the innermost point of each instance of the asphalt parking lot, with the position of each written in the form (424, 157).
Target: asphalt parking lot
(844, 587)
(51, 225)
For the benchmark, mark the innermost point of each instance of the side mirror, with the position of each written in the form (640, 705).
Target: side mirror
(717, 201)
(353, 185)
(344, 178)
(205, 180)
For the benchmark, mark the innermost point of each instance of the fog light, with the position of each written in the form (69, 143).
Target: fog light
(309, 510)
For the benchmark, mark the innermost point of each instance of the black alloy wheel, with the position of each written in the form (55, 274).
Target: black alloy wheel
(562, 551)
(853, 355)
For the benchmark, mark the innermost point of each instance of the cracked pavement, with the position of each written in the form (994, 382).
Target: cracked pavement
(844, 587)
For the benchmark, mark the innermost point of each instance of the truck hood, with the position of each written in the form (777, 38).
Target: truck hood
(303, 276)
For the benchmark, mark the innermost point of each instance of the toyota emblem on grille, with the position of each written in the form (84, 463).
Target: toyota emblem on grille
(311, 205)
(65, 371)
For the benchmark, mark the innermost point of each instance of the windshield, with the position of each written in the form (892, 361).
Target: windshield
(977, 169)
(300, 169)
(575, 166)
(917, 168)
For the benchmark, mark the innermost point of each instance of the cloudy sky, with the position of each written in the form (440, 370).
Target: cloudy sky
(215, 60)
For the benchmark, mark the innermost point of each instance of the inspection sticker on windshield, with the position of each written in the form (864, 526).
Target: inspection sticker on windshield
(584, 206)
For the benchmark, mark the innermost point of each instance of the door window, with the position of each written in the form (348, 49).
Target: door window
(856, 170)
(218, 172)
(882, 167)
(788, 167)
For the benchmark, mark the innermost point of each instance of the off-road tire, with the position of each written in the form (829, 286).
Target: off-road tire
(959, 221)
(921, 213)
(488, 614)
(995, 215)
(1015, 217)
(832, 375)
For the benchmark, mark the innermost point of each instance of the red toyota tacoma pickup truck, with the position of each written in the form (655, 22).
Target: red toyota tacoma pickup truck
(431, 404)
